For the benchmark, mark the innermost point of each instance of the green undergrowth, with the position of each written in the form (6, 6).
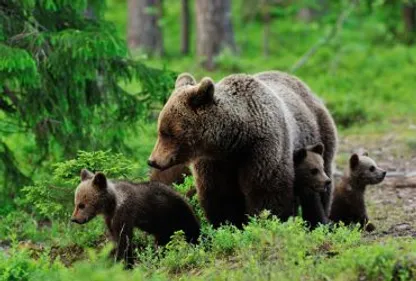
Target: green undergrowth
(266, 249)
(40, 243)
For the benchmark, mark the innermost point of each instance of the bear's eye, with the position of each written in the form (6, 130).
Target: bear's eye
(81, 206)
(314, 171)
(166, 134)
(372, 169)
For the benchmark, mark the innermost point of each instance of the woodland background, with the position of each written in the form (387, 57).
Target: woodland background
(82, 81)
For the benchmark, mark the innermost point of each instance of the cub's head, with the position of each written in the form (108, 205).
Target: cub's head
(364, 170)
(89, 196)
(182, 124)
(309, 168)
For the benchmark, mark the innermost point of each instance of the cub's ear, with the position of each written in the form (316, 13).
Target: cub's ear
(86, 175)
(365, 153)
(354, 161)
(318, 148)
(184, 79)
(204, 95)
(100, 181)
(299, 156)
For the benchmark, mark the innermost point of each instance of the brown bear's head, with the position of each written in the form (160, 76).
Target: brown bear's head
(363, 170)
(89, 196)
(309, 168)
(182, 124)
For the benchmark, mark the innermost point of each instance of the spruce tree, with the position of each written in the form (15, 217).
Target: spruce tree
(60, 75)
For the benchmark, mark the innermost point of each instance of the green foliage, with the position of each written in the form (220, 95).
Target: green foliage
(60, 75)
(67, 82)
(20, 264)
(53, 195)
(265, 250)
(183, 189)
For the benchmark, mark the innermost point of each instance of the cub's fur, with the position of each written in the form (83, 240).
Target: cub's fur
(151, 206)
(310, 177)
(348, 203)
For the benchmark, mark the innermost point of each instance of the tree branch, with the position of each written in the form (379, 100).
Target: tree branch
(326, 39)
(10, 94)
(5, 106)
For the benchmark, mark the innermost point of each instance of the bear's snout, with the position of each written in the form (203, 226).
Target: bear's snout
(152, 163)
(78, 221)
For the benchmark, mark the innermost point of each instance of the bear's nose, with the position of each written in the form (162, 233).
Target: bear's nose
(328, 182)
(153, 164)
(384, 173)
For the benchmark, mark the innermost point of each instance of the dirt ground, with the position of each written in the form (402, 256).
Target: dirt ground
(391, 205)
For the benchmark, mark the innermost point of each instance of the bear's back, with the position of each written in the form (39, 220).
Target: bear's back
(158, 209)
(301, 103)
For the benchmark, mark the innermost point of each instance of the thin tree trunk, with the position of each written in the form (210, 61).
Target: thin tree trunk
(228, 26)
(409, 18)
(309, 14)
(143, 25)
(266, 37)
(185, 27)
(89, 11)
(266, 19)
(214, 29)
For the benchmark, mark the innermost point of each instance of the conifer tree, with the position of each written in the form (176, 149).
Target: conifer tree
(60, 74)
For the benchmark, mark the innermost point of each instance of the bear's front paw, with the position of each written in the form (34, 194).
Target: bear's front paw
(369, 227)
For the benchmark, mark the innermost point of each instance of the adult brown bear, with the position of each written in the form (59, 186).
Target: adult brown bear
(240, 135)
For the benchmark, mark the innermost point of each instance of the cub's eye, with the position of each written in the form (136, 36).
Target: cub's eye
(314, 171)
(81, 206)
(372, 169)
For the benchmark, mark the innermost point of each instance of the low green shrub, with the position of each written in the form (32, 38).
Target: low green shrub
(53, 195)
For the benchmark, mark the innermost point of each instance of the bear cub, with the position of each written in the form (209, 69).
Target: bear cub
(348, 203)
(150, 206)
(310, 178)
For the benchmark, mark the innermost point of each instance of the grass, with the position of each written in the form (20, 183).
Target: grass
(266, 250)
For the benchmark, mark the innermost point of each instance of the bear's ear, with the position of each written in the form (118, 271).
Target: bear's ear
(100, 181)
(204, 95)
(299, 156)
(354, 161)
(318, 148)
(86, 175)
(184, 79)
(365, 153)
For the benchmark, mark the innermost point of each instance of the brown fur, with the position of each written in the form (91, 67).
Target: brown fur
(348, 204)
(173, 175)
(240, 135)
(150, 206)
(310, 177)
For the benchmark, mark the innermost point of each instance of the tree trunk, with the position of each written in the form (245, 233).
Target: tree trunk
(185, 27)
(409, 18)
(143, 27)
(214, 29)
(228, 26)
(309, 14)
(266, 17)
(89, 11)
